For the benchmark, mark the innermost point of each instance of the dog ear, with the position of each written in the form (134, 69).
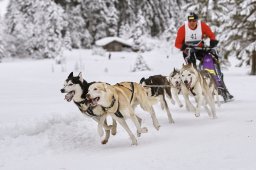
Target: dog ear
(107, 88)
(70, 75)
(141, 80)
(80, 77)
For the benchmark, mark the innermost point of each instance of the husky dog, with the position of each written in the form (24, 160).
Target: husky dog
(119, 101)
(158, 87)
(175, 82)
(212, 84)
(76, 89)
(194, 84)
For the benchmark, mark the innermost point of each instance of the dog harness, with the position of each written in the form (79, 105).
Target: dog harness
(111, 105)
(132, 90)
(191, 90)
(117, 113)
(88, 112)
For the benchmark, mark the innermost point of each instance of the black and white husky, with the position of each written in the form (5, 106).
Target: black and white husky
(76, 89)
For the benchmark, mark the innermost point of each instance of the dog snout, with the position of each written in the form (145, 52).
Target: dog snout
(186, 82)
(62, 90)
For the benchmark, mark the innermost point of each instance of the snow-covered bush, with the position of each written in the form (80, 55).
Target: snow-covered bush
(140, 64)
(98, 51)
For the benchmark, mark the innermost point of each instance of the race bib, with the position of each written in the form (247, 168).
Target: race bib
(193, 35)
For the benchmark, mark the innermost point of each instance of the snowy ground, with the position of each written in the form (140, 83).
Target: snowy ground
(41, 131)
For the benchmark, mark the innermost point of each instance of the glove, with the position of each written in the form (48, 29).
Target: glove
(183, 47)
(213, 43)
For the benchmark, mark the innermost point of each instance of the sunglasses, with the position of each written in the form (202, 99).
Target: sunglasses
(192, 20)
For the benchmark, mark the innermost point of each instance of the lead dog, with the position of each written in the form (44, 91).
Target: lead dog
(76, 89)
(119, 101)
(194, 84)
(158, 87)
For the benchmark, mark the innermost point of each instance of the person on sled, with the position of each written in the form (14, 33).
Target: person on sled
(191, 33)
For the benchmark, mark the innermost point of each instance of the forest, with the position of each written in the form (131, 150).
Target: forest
(43, 29)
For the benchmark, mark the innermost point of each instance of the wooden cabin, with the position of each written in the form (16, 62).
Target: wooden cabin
(114, 44)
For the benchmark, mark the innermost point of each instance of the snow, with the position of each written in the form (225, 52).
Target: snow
(40, 130)
(3, 6)
(107, 40)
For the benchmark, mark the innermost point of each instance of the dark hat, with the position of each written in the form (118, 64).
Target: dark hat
(192, 16)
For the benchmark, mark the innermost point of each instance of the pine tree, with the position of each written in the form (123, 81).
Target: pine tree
(138, 32)
(2, 42)
(239, 33)
(140, 64)
(38, 28)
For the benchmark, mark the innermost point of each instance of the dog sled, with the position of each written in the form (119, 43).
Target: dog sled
(211, 63)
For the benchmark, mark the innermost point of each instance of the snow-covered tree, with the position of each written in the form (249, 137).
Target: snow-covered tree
(126, 17)
(139, 31)
(101, 18)
(140, 64)
(239, 32)
(2, 45)
(38, 28)
(81, 38)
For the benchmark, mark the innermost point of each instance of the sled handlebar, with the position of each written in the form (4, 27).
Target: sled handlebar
(205, 48)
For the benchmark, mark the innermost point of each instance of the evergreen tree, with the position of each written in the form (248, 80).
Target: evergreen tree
(126, 17)
(38, 28)
(140, 64)
(239, 32)
(138, 32)
(80, 36)
(101, 18)
(2, 41)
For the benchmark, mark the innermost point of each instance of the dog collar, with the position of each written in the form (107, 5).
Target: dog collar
(191, 90)
(88, 112)
(111, 105)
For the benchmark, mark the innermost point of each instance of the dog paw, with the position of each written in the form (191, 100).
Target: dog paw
(197, 114)
(113, 132)
(104, 142)
(138, 134)
(157, 127)
(171, 121)
(144, 130)
(134, 142)
(214, 117)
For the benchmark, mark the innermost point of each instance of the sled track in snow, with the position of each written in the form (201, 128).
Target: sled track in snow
(56, 131)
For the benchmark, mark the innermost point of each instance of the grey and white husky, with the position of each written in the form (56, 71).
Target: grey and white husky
(212, 84)
(194, 84)
(76, 89)
(175, 82)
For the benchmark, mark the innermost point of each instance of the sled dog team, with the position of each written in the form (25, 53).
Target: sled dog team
(99, 100)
